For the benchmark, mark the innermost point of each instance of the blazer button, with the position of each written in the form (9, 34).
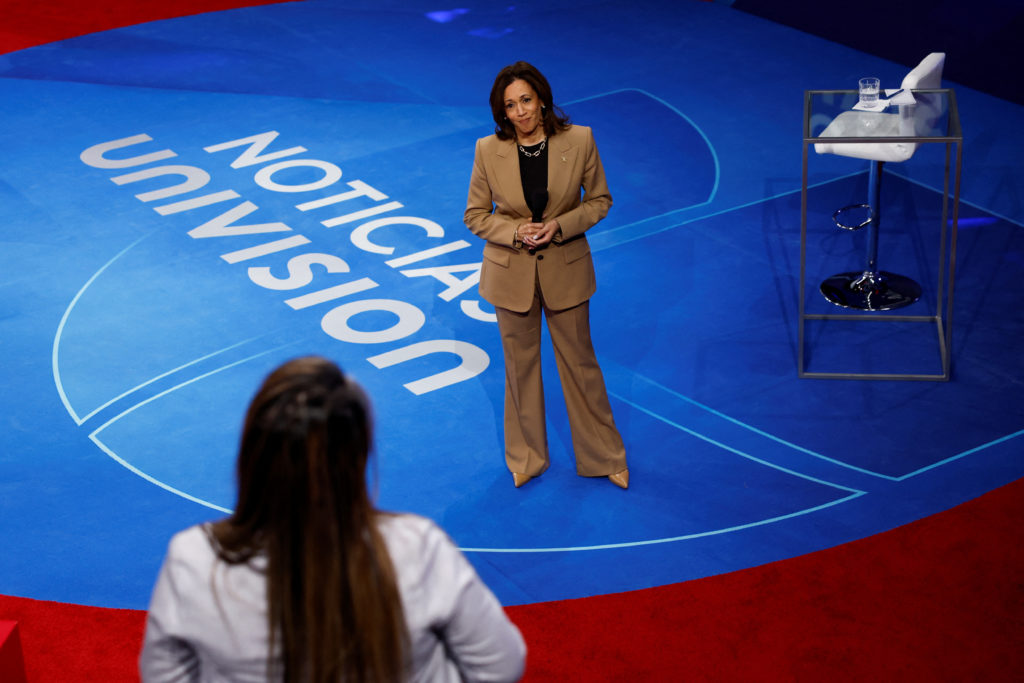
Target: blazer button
(540, 257)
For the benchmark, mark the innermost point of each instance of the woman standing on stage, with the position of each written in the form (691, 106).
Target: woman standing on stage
(307, 581)
(524, 199)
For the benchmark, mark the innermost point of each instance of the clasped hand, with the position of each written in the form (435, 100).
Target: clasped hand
(536, 235)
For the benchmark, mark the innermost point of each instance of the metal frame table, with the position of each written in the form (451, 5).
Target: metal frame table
(948, 132)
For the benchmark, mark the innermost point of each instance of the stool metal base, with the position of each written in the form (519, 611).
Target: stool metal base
(871, 291)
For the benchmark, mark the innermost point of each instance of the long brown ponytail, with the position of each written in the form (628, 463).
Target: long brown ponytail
(334, 610)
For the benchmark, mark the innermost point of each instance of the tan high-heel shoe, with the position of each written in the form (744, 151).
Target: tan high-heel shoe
(518, 478)
(620, 479)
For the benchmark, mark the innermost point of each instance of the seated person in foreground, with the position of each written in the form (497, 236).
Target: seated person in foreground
(307, 580)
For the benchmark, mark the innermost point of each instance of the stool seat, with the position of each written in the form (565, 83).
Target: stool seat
(852, 124)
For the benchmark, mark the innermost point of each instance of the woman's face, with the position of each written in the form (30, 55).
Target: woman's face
(522, 107)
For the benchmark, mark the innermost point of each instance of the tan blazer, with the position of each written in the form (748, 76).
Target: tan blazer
(496, 207)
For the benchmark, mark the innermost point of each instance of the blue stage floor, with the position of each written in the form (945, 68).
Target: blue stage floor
(134, 327)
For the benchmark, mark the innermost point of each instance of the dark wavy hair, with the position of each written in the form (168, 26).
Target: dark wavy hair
(553, 118)
(332, 596)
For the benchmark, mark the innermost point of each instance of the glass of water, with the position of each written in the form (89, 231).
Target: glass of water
(868, 91)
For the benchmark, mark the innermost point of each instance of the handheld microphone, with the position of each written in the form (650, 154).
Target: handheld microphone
(538, 202)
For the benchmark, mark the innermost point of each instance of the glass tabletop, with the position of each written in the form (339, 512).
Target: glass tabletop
(917, 116)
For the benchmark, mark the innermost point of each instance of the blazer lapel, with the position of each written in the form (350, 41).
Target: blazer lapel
(561, 162)
(506, 167)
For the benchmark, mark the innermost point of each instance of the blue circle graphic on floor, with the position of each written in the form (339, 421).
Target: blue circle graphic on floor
(184, 214)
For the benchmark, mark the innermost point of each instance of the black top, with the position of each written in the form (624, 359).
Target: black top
(533, 171)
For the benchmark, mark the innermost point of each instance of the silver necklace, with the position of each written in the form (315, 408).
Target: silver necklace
(534, 154)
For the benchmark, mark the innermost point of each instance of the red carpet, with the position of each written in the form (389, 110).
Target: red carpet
(941, 599)
(25, 24)
(62, 642)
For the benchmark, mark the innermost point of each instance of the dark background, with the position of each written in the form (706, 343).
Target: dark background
(981, 38)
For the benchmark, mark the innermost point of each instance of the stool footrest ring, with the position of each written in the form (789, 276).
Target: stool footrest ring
(866, 222)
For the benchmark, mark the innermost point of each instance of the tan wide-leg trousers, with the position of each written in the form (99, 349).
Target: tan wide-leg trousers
(595, 440)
